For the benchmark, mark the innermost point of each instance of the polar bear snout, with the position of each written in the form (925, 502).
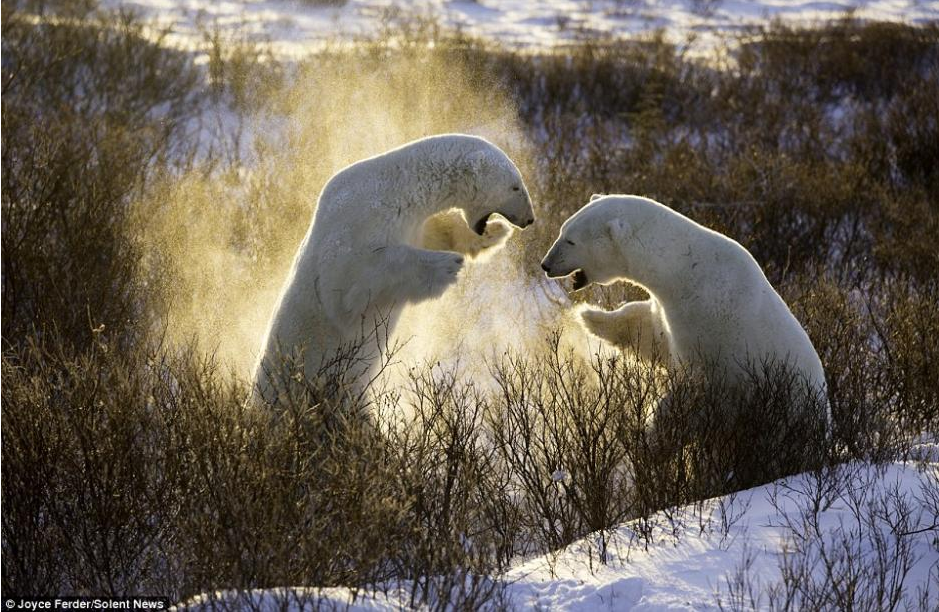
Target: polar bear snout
(517, 210)
(480, 226)
(578, 276)
(554, 265)
(520, 222)
(548, 265)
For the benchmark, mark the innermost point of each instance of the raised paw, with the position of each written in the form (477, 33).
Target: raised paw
(597, 322)
(590, 315)
(495, 233)
(494, 236)
(440, 271)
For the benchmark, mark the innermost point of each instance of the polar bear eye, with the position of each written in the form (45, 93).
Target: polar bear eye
(570, 242)
(516, 188)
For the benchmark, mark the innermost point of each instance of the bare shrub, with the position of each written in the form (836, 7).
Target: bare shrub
(858, 555)
(589, 449)
(558, 435)
(91, 491)
(860, 563)
(134, 465)
(148, 471)
(89, 107)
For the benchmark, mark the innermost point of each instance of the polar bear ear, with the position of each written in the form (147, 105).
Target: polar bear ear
(596, 196)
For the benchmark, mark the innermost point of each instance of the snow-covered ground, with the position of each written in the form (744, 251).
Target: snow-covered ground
(750, 536)
(858, 521)
(293, 26)
(728, 545)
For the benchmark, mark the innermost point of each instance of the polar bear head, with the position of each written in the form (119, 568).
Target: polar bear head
(609, 239)
(493, 185)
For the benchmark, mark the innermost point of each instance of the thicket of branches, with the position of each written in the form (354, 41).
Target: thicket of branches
(133, 465)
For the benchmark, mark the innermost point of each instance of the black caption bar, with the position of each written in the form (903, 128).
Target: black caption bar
(34, 604)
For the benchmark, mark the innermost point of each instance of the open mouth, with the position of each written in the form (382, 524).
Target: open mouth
(580, 279)
(480, 226)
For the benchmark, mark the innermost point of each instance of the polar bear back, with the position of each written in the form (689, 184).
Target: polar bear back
(716, 302)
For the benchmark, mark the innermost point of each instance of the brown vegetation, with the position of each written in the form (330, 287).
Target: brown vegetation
(132, 464)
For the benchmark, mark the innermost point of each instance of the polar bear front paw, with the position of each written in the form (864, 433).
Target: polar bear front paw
(597, 322)
(449, 232)
(495, 235)
(440, 271)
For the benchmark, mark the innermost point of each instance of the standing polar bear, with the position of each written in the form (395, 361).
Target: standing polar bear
(389, 230)
(710, 301)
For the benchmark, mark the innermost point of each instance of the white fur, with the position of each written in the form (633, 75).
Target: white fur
(639, 327)
(363, 260)
(710, 301)
(448, 231)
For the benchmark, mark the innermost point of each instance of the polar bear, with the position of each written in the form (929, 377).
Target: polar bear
(709, 300)
(389, 230)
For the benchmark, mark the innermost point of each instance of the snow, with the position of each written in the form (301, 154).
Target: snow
(692, 556)
(718, 541)
(689, 572)
(293, 27)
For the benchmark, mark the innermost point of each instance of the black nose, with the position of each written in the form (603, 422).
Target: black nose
(545, 267)
(529, 222)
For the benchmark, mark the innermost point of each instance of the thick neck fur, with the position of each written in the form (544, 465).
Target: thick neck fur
(398, 204)
(655, 239)
(665, 240)
(447, 177)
